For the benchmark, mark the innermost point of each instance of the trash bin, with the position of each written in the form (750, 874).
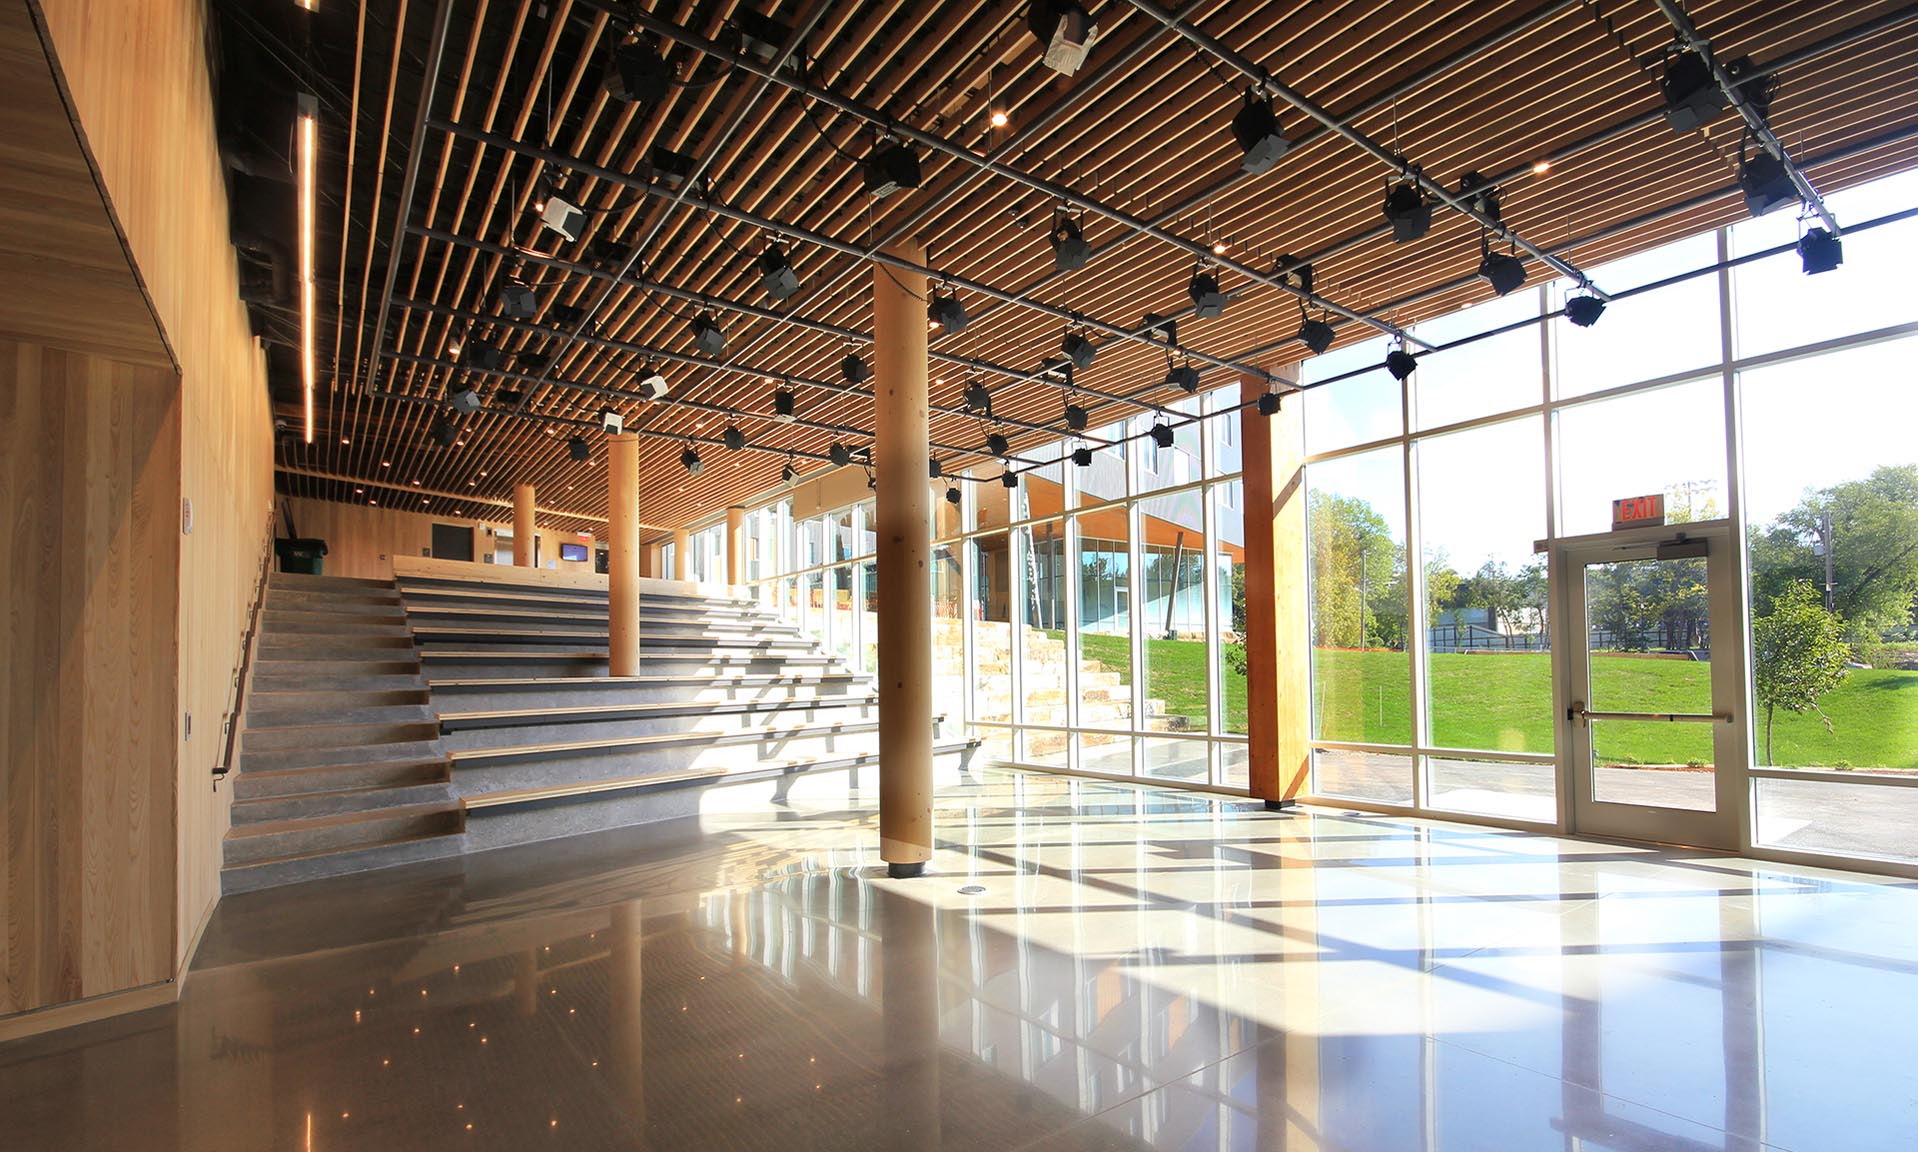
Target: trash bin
(299, 554)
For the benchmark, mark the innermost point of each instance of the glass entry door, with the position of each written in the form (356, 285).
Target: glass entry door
(1650, 716)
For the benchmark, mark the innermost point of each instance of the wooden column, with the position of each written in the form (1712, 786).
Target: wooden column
(682, 554)
(735, 546)
(903, 526)
(649, 560)
(1278, 654)
(622, 555)
(523, 529)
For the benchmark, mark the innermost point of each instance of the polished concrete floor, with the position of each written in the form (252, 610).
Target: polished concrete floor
(1089, 966)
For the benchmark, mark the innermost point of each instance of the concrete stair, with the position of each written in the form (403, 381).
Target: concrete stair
(340, 767)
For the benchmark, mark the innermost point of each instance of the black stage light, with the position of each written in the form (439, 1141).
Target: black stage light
(689, 459)
(1069, 248)
(997, 444)
(1082, 456)
(518, 302)
(1162, 434)
(1256, 128)
(652, 385)
(891, 166)
(935, 468)
(1269, 403)
(947, 312)
(776, 273)
(1079, 350)
(1157, 327)
(760, 36)
(788, 473)
(1692, 95)
(1505, 273)
(612, 421)
(566, 316)
(1820, 251)
(733, 437)
(1408, 210)
(854, 369)
(978, 398)
(1076, 417)
(1207, 301)
(1316, 335)
(479, 354)
(1183, 377)
(637, 74)
(1400, 363)
(707, 335)
(1066, 30)
(1584, 311)
(671, 168)
(1009, 479)
(952, 495)
(609, 255)
(466, 401)
(510, 397)
(783, 401)
(839, 454)
(579, 449)
(1766, 183)
(1480, 195)
(445, 432)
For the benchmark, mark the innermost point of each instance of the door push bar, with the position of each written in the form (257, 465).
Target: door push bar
(1578, 711)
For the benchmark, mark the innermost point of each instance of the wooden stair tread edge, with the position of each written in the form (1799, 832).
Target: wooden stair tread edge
(246, 866)
(342, 819)
(316, 769)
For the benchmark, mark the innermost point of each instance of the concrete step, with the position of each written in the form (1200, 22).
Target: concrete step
(441, 665)
(304, 805)
(313, 757)
(336, 777)
(675, 637)
(495, 616)
(350, 601)
(414, 586)
(276, 872)
(475, 731)
(265, 703)
(280, 624)
(352, 727)
(334, 647)
(303, 582)
(342, 675)
(584, 691)
(280, 839)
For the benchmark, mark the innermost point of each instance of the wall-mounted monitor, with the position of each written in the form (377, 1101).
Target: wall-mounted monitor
(573, 552)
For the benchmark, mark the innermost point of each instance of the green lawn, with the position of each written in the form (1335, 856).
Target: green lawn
(1503, 701)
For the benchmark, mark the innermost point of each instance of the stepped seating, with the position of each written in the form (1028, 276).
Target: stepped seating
(1105, 695)
(542, 742)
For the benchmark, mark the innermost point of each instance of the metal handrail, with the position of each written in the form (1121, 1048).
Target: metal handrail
(230, 733)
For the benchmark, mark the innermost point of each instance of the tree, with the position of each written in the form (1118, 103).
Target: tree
(1798, 654)
(1874, 546)
(1358, 574)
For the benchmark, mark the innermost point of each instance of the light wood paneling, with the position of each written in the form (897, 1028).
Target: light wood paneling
(89, 468)
(363, 541)
(1278, 656)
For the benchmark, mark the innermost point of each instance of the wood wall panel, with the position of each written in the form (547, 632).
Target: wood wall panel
(362, 540)
(89, 467)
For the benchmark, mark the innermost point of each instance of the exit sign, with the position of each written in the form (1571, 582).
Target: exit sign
(1636, 510)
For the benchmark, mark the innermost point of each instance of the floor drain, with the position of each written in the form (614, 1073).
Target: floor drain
(972, 890)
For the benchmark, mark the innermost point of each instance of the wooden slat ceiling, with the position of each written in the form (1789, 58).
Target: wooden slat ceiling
(1452, 85)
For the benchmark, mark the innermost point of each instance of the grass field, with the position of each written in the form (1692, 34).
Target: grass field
(1503, 701)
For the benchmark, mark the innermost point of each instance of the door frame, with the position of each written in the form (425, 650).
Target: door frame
(1728, 828)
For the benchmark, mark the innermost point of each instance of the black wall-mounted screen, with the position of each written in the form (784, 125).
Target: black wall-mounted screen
(573, 552)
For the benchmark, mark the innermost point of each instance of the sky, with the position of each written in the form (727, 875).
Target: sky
(1806, 423)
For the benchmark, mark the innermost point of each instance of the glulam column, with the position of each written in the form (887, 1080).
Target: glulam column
(622, 555)
(735, 546)
(523, 526)
(903, 526)
(682, 554)
(1277, 649)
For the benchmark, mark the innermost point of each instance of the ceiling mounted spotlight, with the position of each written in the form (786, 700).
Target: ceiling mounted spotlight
(669, 167)
(1480, 195)
(761, 36)
(854, 369)
(707, 335)
(934, 468)
(891, 166)
(1161, 433)
(952, 495)
(579, 449)
(1009, 479)
(637, 74)
(518, 302)
(561, 216)
(1070, 252)
(1692, 96)
(1066, 30)
(479, 354)
(1820, 251)
(1256, 128)
(445, 432)
(776, 273)
(1584, 311)
(947, 312)
(689, 460)
(652, 385)
(466, 401)
(1400, 363)
(1183, 376)
(978, 398)
(1504, 272)
(788, 472)
(612, 421)
(734, 439)
(1270, 402)
(783, 401)
(509, 397)
(1408, 210)
(1079, 350)
(1082, 456)
(608, 255)
(1207, 301)
(1766, 183)
(997, 444)
(1163, 329)
(1076, 417)
(1316, 335)
(839, 454)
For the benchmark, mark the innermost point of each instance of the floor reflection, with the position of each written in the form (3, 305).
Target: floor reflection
(1092, 965)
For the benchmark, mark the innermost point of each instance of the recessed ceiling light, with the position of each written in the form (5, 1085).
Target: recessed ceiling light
(344, 440)
(385, 464)
(1541, 167)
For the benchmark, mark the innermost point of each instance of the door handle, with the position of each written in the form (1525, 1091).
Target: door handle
(1578, 711)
